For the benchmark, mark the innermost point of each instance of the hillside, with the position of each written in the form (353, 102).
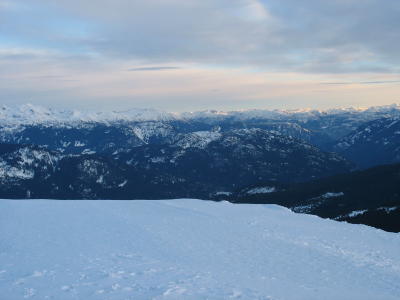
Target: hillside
(196, 164)
(374, 143)
(369, 197)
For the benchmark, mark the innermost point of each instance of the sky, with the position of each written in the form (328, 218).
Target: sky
(185, 55)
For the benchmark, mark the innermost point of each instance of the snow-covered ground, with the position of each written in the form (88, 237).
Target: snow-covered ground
(188, 249)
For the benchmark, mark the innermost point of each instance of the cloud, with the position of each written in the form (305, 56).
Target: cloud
(10, 5)
(363, 82)
(73, 49)
(153, 69)
(307, 36)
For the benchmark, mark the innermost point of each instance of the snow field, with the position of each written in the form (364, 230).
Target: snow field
(188, 249)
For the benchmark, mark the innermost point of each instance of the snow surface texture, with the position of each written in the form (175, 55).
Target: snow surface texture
(189, 249)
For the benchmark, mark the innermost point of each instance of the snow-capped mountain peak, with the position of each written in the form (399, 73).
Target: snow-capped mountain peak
(32, 114)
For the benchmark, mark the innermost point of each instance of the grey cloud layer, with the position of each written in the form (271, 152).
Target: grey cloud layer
(152, 69)
(292, 35)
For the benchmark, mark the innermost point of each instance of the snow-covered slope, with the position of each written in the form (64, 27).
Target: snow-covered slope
(189, 249)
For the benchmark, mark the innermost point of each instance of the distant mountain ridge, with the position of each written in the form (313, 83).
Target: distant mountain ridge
(33, 114)
(88, 132)
(148, 154)
(28, 114)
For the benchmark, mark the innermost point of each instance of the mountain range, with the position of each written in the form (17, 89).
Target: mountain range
(148, 154)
